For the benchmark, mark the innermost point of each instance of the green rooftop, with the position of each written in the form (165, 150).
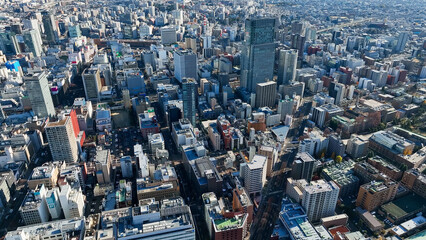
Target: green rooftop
(224, 223)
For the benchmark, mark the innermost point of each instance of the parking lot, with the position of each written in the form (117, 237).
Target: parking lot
(121, 141)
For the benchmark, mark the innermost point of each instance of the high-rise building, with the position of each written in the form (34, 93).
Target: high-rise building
(32, 42)
(92, 84)
(34, 208)
(50, 29)
(103, 166)
(286, 107)
(189, 95)
(402, 41)
(320, 199)
(185, 63)
(287, 66)
(53, 203)
(72, 201)
(303, 166)
(272, 157)
(168, 35)
(257, 59)
(62, 141)
(266, 94)
(8, 43)
(74, 31)
(39, 94)
(337, 91)
(126, 166)
(254, 174)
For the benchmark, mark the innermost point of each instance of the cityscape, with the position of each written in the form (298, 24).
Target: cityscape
(213, 119)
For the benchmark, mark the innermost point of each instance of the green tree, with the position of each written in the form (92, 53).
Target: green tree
(339, 159)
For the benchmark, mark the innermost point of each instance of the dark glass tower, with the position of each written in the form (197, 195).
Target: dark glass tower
(258, 52)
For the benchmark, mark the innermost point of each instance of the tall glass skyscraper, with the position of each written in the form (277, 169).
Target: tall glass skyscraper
(258, 53)
(189, 96)
(39, 94)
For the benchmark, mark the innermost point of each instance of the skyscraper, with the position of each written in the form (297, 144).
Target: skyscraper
(303, 166)
(254, 174)
(185, 63)
(62, 141)
(266, 94)
(402, 41)
(32, 42)
(189, 95)
(258, 52)
(92, 84)
(49, 24)
(287, 66)
(319, 199)
(39, 94)
(8, 43)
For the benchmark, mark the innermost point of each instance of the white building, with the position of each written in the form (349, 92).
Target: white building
(156, 141)
(185, 63)
(320, 199)
(254, 174)
(142, 159)
(72, 201)
(183, 132)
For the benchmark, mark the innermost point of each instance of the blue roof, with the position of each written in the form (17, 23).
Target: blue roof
(191, 155)
(103, 114)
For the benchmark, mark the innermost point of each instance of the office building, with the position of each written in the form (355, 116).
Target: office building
(257, 59)
(39, 93)
(156, 141)
(286, 107)
(62, 141)
(72, 202)
(266, 94)
(92, 84)
(8, 43)
(272, 157)
(168, 219)
(336, 147)
(142, 160)
(103, 166)
(254, 174)
(320, 199)
(47, 174)
(34, 208)
(303, 166)
(168, 35)
(74, 31)
(189, 95)
(336, 91)
(376, 193)
(287, 67)
(32, 42)
(7, 187)
(185, 63)
(61, 229)
(49, 25)
(295, 221)
(402, 42)
(232, 226)
(357, 146)
(53, 203)
(324, 113)
(126, 167)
